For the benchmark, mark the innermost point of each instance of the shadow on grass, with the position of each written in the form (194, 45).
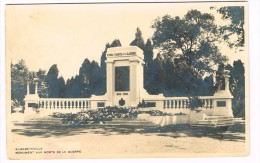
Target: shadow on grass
(45, 131)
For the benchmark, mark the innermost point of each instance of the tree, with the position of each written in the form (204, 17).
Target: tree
(157, 74)
(237, 88)
(95, 79)
(115, 43)
(148, 52)
(72, 88)
(148, 60)
(90, 78)
(54, 83)
(19, 79)
(84, 79)
(236, 16)
(61, 86)
(186, 81)
(103, 70)
(43, 90)
(41, 74)
(170, 76)
(209, 89)
(20, 76)
(138, 41)
(191, 38)
(86, 83)
(191, 42)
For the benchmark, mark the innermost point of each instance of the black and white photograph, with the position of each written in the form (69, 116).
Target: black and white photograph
(127, 80)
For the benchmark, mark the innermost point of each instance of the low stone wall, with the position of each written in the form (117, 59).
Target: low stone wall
(208, 112)
(166, 120)
(192, 117)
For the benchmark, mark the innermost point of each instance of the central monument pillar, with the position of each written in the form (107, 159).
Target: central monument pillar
(124, 76)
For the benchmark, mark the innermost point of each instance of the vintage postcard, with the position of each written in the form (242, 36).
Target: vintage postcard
(127, 80)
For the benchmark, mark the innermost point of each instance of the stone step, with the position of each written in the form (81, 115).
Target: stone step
(210, 125)
(45, 119)
(128, 120)
(45, 122)
(128, 123)
(37, 124)
(217, 120)
(43, 126)
(41, 120)
(214, 123)
(218, 117)
(217, 124)
(239, 120)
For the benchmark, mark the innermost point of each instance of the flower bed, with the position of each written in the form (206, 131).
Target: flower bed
(158, 113)
(96, 116)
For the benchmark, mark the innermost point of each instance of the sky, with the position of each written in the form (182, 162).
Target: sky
(66, 34)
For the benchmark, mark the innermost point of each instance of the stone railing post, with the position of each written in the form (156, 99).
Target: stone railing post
(28, 88)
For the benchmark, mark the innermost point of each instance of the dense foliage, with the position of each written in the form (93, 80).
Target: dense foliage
(237, 87)
(20, 76)
(188, 49)
(138, 41)
(236, 15)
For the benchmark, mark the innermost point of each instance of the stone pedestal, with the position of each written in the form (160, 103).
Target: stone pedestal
(223, 99)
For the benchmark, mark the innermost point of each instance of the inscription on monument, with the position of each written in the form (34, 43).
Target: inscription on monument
(121, 54)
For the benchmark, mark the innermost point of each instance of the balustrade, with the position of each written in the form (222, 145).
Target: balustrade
(64, 103)
(183, 103)
(168, 103)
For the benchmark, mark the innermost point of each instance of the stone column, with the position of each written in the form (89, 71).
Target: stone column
(110, 83)
(26, 107)
(36, 87)
(28, 88)
(133, 83)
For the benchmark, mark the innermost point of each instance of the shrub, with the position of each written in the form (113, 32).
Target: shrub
(195, 103)
(158, 113)
(180, 113)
